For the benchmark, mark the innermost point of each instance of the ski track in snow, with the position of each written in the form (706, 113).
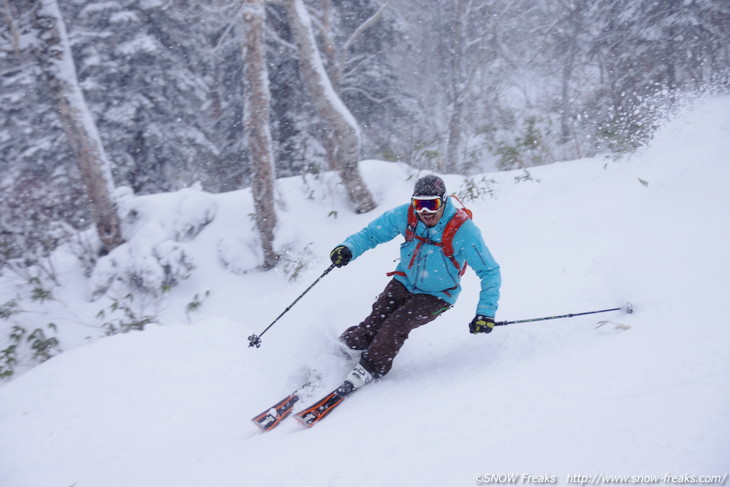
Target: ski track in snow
(643, 394)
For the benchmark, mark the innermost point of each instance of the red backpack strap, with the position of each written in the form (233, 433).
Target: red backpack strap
(447, 240)
(461, 206)
(412, 222)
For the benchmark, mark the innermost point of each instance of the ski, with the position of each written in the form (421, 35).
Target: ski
(272, 417)
(322, 408)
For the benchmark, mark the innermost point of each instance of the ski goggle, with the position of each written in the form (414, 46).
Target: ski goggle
(428, 204)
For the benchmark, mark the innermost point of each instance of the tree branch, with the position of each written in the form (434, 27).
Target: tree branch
(364, 26)
(366, 94)
(229, 27)
(272, 34)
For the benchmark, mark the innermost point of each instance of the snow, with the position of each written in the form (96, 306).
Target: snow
(141, 43)
(641, 394)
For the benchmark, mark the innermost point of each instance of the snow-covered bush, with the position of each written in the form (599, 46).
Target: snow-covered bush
(237, 255)
(142, 266)
(295, 263)
(195, 212)
(176, 261)
(153, 259)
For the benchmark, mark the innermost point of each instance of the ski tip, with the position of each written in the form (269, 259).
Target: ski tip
(260, 425)
(268, 421)
(299, 420)
(303, 421)
(628, 308)
(269, 424)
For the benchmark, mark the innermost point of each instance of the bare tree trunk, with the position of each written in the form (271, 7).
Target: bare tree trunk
(456, 129)
(54, 55)
(565, 112)
(342, 124)
(459, 82)
(256, 123)
(12, 26)
(575, 25)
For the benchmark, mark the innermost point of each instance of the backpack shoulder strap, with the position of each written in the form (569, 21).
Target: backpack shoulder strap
(412, 222)
(461, 205)
(447, 240)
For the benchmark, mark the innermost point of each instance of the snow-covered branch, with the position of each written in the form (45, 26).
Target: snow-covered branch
(365, 26)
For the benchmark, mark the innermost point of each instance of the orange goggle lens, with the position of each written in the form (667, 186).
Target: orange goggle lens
(429, 205)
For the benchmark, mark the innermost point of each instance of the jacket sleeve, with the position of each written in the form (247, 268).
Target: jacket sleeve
(383, 229)
(480, 259)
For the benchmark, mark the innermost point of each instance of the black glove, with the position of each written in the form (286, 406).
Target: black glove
(341, 256)
(481, 324)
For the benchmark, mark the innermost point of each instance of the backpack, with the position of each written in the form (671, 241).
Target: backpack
(447, 246)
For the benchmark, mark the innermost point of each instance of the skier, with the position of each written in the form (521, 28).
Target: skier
(426, 281)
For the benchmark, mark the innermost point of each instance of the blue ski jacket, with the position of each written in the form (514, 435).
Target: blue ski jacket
(430, 271)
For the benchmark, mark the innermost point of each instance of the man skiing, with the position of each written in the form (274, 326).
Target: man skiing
(441, 240)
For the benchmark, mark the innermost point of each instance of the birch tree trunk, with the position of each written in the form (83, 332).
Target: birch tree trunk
(342, 124)
(458, 88)
(256, 124)
(11, 22)
(54, 55)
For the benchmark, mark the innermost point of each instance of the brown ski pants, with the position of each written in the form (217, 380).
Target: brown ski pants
(382, 334)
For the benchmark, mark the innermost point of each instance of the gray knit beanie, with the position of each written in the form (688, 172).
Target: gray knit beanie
(430, 186)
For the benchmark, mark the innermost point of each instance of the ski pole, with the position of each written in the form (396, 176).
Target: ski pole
(628, 308)
(255, 340)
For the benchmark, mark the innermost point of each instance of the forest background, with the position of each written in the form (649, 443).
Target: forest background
(462, 86)
(103, 98)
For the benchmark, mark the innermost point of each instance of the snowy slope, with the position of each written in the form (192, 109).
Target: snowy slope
(644, 394)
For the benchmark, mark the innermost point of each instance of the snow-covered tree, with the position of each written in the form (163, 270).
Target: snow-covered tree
(53, 52)
(144, 66)
(40, 188)
(464, 52)
(649, 49)
(341, 123)
(356, 39)
(256, 124)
